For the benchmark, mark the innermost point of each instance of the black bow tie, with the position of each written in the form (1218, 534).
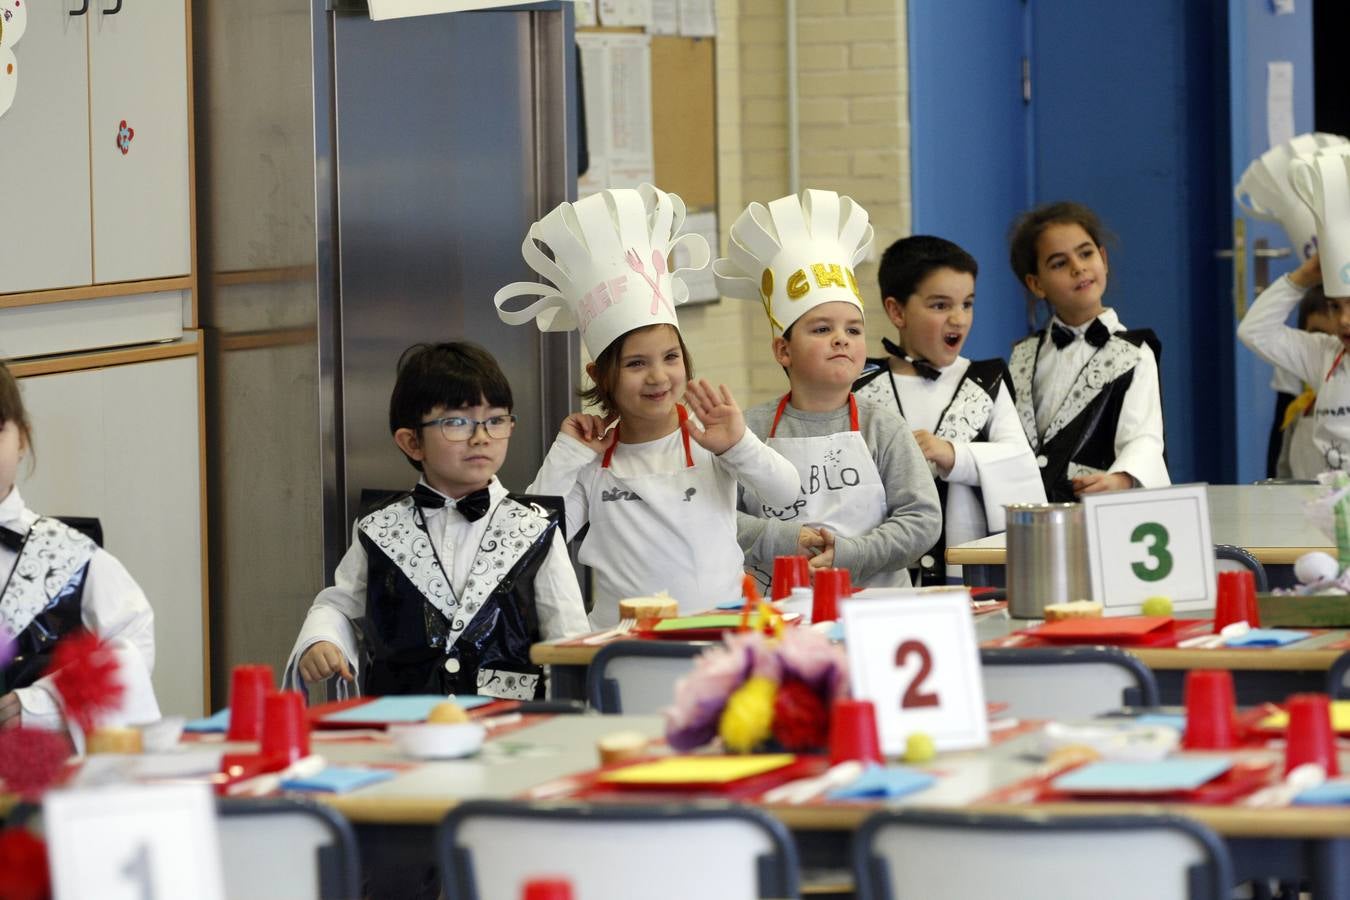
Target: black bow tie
(11, 539)
(923, 367)
(471, 506)
(1097, 334)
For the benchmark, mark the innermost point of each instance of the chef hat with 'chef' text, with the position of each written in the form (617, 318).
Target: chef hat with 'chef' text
(795, 254)
(609, 272)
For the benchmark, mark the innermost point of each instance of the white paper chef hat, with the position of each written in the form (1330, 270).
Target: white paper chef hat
(797, 253)
(609, 272)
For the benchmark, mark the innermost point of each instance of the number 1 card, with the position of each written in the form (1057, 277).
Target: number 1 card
(1150, 543)
(913, 654)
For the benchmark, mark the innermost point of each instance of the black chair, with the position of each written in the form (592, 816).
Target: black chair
(908, 854)
(287, 848)
(1244, 560)
(638, 677)
(488, 849)
(1065, 682)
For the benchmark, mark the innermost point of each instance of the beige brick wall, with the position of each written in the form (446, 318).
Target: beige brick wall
(854, 138)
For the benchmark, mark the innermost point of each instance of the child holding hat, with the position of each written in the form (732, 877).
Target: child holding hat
(867, 501)
(967, 426)
(656, 485)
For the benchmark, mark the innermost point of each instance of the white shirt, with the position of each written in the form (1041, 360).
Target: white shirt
(113, 607)
(1139, 430)
(1309, 356)
(1003, 466)
(558, 601)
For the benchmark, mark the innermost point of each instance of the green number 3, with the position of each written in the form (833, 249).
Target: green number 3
(1157, 549)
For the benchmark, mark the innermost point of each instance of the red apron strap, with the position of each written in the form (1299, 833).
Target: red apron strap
(684, 436)
(1334, 363)
(852, 413)
(782, 405)
(609, 451)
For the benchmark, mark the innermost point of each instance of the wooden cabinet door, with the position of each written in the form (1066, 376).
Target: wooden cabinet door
(44, 156)
(138, 76)
(123, 443)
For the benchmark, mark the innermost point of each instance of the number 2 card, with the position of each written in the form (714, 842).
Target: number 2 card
(1150, 543)
(914, 656)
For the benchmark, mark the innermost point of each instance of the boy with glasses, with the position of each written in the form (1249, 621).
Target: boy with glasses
(445, 587)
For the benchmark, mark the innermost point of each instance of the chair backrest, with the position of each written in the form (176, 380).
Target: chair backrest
(915, 855)
(282, 848)
(1228, 558)
(489, 849)
(1067, 682)
(638, 677)
(1338, 678)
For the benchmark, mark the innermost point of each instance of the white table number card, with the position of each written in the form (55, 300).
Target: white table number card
(132, 842)
(914, 656)
(1150, 543)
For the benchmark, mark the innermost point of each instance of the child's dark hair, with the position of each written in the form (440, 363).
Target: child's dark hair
(908, 261)
(449, 375)
(11, 405)
(1314, 302)
(601, 391)
(1027, 228)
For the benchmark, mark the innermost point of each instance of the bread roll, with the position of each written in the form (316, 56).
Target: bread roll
(661, 606)
(113, 740)
(447, 713)
(621, 746)
(1079, 609)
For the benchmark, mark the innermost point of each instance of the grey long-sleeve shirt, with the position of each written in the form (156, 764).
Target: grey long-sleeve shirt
(913, 524)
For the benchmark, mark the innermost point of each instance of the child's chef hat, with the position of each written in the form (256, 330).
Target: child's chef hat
(797, 253)
(609, 273)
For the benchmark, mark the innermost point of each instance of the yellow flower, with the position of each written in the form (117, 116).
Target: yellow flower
(748, 717)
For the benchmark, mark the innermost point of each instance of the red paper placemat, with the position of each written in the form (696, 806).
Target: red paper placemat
(1179, 630)
(1244, 778)
(586, 786)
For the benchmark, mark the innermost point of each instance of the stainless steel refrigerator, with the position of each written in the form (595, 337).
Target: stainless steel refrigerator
(361, 186)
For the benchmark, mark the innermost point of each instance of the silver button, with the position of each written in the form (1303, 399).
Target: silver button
(452, 665)
(1042, 461)
(927, 561)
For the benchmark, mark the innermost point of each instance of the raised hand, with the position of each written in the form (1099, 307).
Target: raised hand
(592, 431)
(723, 425)
(11, 711)
(1308, 273)
(323, 660)
(1101, 482)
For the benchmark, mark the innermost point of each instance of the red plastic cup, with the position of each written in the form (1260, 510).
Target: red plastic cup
(787, 574)
(1252, 610)
(285, 731)
(1209, 710)
(248, 686)
(1310, 738)
(547, 889)
(853, 731)
(828, 588)
(1231, 603)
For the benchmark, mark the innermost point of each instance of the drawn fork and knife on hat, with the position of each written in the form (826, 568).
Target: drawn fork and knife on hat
(659, 265)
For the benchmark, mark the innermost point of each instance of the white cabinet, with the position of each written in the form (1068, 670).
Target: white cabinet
(124, 443)
(79, 210)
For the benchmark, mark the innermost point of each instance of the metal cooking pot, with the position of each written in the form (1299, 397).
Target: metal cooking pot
(1047, 557)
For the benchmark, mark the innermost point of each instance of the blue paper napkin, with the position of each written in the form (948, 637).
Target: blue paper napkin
(404, 708)
(884, 781)
(1168, 720)
(219, 721)
(337, 779)
(1266, 637)
(1333, 793)
(1176, 774)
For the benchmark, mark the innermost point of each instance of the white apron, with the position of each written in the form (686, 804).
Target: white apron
(841, 486)
(673, 532)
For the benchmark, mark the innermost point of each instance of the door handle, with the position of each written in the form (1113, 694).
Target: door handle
(1263, 253)
(117, 8)
(1260, 252)
(84, 8)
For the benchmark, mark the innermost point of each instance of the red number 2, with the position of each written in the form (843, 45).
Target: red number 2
(915, 695)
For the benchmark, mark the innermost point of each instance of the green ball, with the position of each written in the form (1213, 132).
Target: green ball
(919, 748)
(1157, 606)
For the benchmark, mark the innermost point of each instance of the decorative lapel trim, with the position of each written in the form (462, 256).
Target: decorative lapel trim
(1022, 369)
(879, 390)
(52, 556)
(507, 685)
(965, 417)
(396, 532)
(1103, 367)
(512, 532)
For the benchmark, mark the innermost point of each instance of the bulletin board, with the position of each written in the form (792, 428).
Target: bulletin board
(684, 120)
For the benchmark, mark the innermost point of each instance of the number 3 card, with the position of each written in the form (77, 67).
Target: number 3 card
(1150, 543)
(914, 656)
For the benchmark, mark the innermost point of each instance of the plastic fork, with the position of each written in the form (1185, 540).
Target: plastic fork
(624, 626)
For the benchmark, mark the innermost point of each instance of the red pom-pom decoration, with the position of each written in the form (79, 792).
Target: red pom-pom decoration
(23, 860)
(31, 760)
(84, 672)
(800, 719)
